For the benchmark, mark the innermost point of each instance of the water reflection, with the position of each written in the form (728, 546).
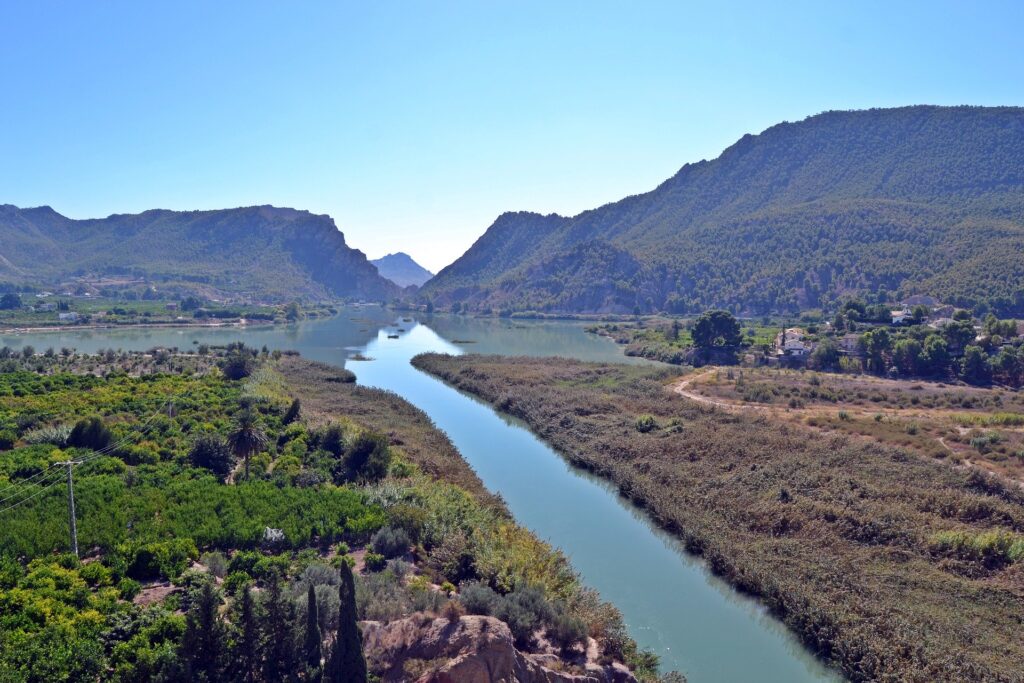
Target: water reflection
(671, 603)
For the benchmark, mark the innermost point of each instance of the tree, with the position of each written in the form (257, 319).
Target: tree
(90, 433)
(825, 356)
(935, 355)
(212, 453)
(202, 646)
(906, 355)
(247, 437)
(10, 301)
(1008, 366)
(293, 412)
(974, 367)
(958, 335)
(876, 343)
(280, 660)
(346, 663)
(314, 641)
(190, 303)
(292, 312)
(245, 653)
(238, 363)
(673, 333)
(716, 329)
(368, 457)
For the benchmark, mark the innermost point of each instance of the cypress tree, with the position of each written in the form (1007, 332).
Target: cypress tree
(280, 657)
(346, 663)
(203, 643)
(293, 412)
(314, 651)
(247, 648)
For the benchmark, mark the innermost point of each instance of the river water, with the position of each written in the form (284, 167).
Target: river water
(672, 604)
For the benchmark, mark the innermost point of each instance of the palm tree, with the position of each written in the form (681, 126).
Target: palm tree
(247, 437)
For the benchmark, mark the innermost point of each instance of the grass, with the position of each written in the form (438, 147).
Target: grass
(147, 512)
(836, 535)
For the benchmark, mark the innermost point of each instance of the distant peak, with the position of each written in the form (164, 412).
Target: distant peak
(401, 269)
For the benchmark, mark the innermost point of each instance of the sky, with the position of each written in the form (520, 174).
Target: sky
(415, 124)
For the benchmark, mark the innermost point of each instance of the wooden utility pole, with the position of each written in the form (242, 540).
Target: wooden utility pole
(71, 504)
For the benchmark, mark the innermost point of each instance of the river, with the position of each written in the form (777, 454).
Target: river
(672, 604)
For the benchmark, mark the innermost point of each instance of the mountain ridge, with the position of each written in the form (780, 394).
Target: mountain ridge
(829, 197)
(256, 252)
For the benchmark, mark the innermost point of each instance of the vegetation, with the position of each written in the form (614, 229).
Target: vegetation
(192, 573)
(136, 303)
(990, 352)
(188, 253)
(881, 202)
(893, 566)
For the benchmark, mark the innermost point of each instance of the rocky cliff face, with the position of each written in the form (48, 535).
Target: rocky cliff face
(472, 649)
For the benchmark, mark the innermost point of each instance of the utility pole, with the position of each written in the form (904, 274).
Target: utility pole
(71, 504)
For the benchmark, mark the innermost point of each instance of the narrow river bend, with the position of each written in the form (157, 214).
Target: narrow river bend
(695, 622)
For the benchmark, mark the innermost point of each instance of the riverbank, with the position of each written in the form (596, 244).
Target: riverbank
(497, 551)
(884, 563)
(344, 474)
(134, 326)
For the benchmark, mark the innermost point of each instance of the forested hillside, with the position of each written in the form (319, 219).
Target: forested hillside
(885, 201)
(258, 253)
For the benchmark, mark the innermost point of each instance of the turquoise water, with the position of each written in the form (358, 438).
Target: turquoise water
(696, 623)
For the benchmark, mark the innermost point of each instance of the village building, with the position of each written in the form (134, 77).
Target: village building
(849, 344)
(792, 343)
(902, 317)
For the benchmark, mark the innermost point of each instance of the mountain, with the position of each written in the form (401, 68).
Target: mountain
(258, 253)
(918, 199)
(402, 270)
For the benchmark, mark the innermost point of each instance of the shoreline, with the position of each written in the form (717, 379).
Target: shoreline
(73, 328)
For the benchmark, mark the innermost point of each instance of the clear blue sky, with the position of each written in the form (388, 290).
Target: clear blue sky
(415, 124)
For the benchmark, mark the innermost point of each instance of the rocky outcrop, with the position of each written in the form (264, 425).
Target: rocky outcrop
(471, 649)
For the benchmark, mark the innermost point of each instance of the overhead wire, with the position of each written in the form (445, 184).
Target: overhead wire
(55, 469)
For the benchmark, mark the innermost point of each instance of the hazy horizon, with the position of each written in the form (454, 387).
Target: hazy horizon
(414, 126)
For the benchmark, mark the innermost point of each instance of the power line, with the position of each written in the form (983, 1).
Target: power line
(71, 505)
(53, 468)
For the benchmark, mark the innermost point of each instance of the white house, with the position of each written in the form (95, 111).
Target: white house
(901, 317)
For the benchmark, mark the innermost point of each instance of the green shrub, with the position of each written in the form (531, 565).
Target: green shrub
(163, 559)
(391, 542)
(479, 598)
(368, 457)
(235, 582)
(90, 433)
(375, 562)
(646, 423)
(216, 563)
(128, 588)
(95, 574)
(211, 452)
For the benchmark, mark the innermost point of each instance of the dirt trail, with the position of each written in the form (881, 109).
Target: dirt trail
(682, 388)
(685, 387)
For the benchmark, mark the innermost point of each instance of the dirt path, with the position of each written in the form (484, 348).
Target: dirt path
(682, 388)
(685, 387)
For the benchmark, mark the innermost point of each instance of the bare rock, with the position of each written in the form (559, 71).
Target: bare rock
(471, 649)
